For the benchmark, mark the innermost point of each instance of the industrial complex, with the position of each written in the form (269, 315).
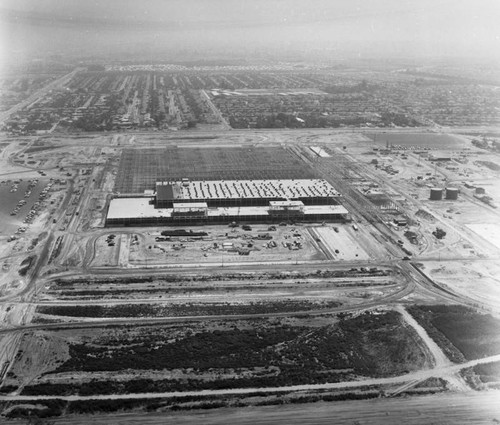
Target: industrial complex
(198, 202)
(249, 212)
(166, 270)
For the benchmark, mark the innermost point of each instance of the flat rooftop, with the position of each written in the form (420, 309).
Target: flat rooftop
(190, 205)
(280, 204)
(236, 189)
(137, 208)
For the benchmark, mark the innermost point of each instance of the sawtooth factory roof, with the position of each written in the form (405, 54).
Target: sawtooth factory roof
(235, 189)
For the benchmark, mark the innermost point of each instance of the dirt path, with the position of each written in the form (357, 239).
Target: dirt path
(440, 359)
(9, 345)
(99, 322)
(441, 362)
(442, 372)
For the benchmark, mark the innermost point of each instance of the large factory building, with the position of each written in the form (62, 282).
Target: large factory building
(217, 201)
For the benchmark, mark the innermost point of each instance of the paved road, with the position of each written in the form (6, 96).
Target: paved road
(202, 135)
(216, 111)
(442, 409)
(38, 94)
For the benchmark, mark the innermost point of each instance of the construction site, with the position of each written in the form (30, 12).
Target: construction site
(249, 212)
(304, 266)
(189, 202)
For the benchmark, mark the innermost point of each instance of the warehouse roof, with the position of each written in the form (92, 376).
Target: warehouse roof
(286, 203)
(190, 205)
(236, 189)
(136, 208)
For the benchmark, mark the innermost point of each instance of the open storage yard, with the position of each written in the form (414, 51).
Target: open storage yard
(225, 245)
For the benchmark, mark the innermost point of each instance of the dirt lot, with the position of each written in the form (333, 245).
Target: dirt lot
(108, 250)
(488, 231)
(225, 245)
(341, 244)
(475, 279)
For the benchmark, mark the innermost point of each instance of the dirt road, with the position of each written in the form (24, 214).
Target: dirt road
(419, 375)
(439, 357)
(138, 321)
(441, 362)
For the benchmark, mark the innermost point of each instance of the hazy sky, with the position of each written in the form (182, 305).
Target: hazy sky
(357, 27)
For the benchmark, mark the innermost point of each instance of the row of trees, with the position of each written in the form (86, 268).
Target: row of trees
(315, 120)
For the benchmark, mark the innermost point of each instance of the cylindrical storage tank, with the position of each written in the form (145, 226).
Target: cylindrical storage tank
(452, 193)
(480, 191)
(436, 194)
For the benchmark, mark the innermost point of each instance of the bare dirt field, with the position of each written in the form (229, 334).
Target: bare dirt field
(475, 279)
(488, 231)
(107, 251)
(341, 244)
(225, 245)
